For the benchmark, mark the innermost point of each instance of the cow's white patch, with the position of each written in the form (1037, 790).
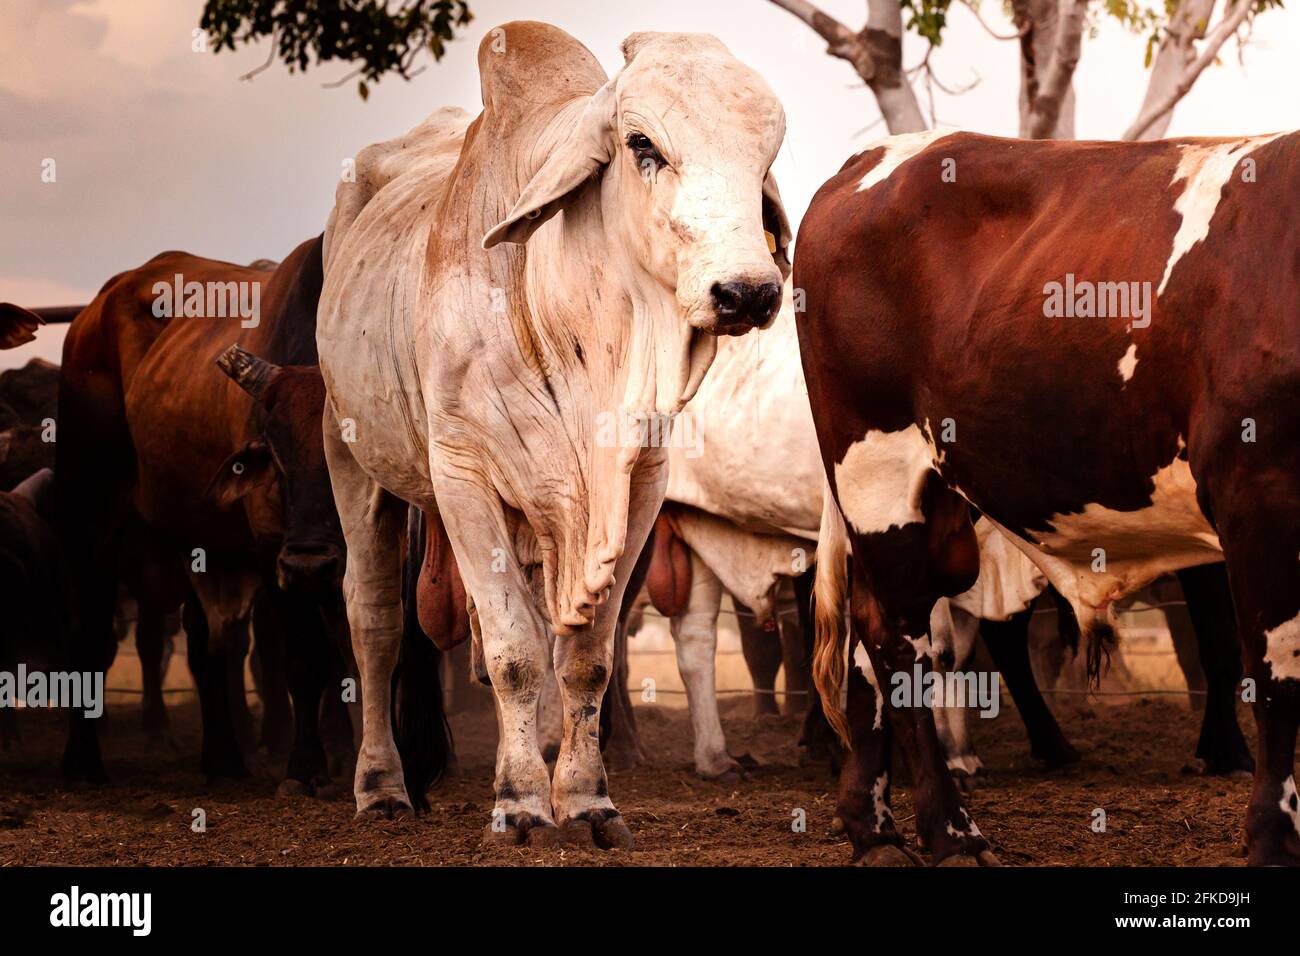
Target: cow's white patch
(969, 830)
(1169, 534)
(883, 814)
(898, 150)
(1173, 522)
(879, 481)
(863, 664)
(1206, 169)
(1129, 363)
(1290, 802)
(1282, 652)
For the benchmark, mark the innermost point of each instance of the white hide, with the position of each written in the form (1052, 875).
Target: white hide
(755, 494)
(475, 327)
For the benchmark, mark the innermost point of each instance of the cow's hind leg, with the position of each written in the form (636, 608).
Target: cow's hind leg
(695, 634)
(372, 522)
(898, 574)
(1257, 511)
(1209, 604)
(952, 634)
(1008, 644)
(761, 646)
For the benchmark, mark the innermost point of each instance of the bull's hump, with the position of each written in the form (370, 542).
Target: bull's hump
(525, 64)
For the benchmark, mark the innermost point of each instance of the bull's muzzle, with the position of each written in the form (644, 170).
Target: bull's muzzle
(741, 306)
(314, 571)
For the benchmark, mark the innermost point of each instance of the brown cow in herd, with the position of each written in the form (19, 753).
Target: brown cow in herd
(225, 471)
(1096, 345)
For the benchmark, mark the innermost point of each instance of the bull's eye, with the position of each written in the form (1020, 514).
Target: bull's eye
(648, 159)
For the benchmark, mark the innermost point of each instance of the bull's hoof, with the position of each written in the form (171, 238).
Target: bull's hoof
(727, 770)
(385, 808)
(290, 787)
(515, 829)
(1232, 766)
(837, 826)
(967, 782)
(578, 832)
(1055, 754)
(330, 791)
(602, 829)
(510, 836)
(543, 836)
(613, 833)
(887, 854)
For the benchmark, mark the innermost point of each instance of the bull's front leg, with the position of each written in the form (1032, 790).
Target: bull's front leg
(515, 647)
(580, 790)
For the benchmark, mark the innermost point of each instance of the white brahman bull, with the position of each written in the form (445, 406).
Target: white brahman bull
(752, 480)
(502, 295)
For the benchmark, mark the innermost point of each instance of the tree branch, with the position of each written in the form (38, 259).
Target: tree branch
(1233, 17)
(988, 29)
(875, 53)
(840, 40)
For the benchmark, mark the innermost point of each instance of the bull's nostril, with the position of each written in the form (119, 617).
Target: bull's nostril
(726, 300)
(752, 303)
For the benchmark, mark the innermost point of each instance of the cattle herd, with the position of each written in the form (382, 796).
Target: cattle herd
(551, 358)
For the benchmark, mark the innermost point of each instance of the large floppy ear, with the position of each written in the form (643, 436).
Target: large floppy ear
(246, 470)
(776, 225)
(587, 147)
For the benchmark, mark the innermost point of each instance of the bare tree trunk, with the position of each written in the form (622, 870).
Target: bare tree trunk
(1186, 64)
(875, 53)
(1049, 52)
(1177, 51)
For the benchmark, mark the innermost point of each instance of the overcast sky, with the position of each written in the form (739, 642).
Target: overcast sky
(158, 147)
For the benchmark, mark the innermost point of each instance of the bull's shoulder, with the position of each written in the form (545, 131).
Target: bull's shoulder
(429, 152)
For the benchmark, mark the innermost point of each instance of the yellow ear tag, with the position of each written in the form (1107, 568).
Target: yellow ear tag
(771, 242)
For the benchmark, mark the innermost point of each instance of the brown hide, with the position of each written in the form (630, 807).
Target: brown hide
(149, 385)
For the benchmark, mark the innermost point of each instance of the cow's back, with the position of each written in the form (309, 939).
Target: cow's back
(933, 293)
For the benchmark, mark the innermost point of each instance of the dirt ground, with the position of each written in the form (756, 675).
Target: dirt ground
(1138, 767)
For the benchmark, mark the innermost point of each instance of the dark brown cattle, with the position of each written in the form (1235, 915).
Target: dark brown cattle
(23, 451)
(32, 391)
(954, 287)
(226, 470)
(31, 585)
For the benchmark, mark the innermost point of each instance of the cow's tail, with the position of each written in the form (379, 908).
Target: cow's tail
(419, 721)
(830, 594)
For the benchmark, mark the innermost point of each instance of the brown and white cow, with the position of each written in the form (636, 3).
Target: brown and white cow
(1096, 344)
(499, 295)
